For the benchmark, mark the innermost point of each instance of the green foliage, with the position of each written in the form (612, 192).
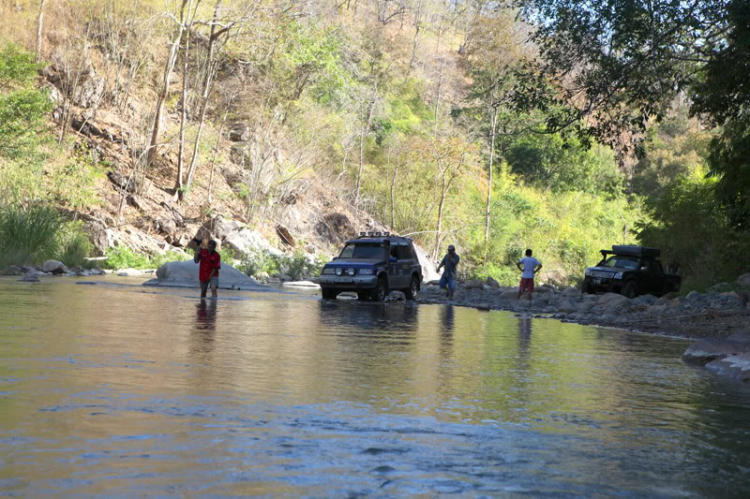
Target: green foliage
(75, 246)
(37, 233)
(550, 162)
(694, 234)
(313, 59)
(297, 265)
(21, 121)
(29, 234)
(124, 258)
(17, 67)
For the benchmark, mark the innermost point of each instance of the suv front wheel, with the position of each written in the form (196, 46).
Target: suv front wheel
(413, 292)
(381, 291)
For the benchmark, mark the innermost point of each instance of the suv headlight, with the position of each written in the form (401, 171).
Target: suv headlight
(617, 276)
(329, 271)
(350, 272)
(365, 271)
(588, 272)
(339, 271)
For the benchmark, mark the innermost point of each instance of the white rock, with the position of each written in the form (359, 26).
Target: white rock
(185, 275)
(248, 241)
(300, 284)
(129, 273)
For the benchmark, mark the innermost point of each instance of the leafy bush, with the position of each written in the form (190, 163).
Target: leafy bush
(30, 234)
(125, 258)
(75, 246)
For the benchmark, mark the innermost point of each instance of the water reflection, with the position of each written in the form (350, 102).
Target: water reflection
(277, 395)
(203, 334)
(397, 316)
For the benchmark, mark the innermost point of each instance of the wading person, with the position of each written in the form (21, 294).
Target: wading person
(448, 279)
(529, 266)
(208, 274)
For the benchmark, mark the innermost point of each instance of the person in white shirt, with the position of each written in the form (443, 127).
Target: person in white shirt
(529, 266)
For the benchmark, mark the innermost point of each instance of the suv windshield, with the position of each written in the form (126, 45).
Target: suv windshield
(359, 250)
(622, 262)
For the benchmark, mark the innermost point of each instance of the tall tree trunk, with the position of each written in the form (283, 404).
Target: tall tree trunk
(216, 153)
(171, 60)
(207, 84)
(40, 30)
(439, 227)
(437, 101)
(365, 126)
(178, 186)
(393, 197)
(489, 177)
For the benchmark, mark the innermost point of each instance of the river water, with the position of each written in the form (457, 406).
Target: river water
(115, 389)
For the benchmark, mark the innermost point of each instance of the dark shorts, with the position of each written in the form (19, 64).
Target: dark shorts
(448, 281)
(527, 284)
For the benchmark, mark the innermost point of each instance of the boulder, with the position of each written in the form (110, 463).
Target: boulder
(571, 292)
(135, 202)
(248, 241)
(710, 349)
(692, 296)
(55, 267)
(744, 280)
(473, 284)
(509, 295)
(493, 283)
(130, 273)
(13, 270)
(285, 236)
(29, 277)
(566, 306)
(736, 367)
(545, 288)
(185, 275)
(612, 302)
(395, 296)
(222, 227)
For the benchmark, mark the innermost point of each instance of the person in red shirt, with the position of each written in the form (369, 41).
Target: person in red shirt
(208, 274)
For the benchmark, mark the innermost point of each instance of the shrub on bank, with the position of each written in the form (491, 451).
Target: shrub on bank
(32, 234)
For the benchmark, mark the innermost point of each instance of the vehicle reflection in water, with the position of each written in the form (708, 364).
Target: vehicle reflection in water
(103, 393)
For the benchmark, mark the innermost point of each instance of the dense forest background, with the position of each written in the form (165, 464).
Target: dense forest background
(546, 124)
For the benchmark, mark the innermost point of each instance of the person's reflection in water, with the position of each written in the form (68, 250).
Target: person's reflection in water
(446, 334)
(205, 324)
(524, 336)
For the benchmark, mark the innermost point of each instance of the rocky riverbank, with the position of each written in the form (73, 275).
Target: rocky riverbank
(697, 315)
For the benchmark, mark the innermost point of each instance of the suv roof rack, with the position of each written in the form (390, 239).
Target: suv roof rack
(632, 250)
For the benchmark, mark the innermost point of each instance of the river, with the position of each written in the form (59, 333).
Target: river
(119, 390)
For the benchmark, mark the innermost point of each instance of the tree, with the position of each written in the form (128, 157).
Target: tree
(606, 69)
(168, 68)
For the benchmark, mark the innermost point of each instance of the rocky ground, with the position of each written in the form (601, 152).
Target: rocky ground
(697, 315)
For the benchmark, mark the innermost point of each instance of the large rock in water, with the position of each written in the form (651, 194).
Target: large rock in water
(726, 356)
(185, 275)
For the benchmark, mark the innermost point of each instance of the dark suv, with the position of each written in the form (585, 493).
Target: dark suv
(630, 270)
(373, 265)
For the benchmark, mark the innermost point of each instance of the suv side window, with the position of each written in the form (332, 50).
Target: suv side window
(403, 252)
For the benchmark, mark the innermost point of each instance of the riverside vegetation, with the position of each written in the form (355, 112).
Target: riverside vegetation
(463, 123)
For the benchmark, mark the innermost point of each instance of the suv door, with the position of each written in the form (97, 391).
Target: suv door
(655, 277)
(405, 264)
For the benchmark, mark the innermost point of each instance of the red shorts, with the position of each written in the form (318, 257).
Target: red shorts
(527, 284)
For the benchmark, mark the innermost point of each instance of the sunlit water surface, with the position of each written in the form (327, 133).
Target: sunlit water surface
(123, 390)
